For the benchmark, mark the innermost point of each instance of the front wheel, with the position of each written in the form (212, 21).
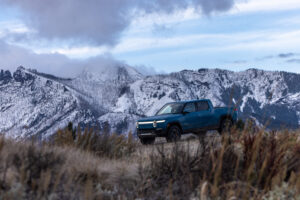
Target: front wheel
(174, 134)
(201, 133)
(225, 125)
(147, 141)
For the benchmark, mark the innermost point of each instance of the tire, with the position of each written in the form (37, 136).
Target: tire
(147, 141)
(225, 125)
(174, 134)
(202, 133)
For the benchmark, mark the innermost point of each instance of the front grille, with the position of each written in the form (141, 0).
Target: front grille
(146, 130)
(146, 126)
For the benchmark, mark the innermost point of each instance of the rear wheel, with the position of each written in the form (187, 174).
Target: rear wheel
(174, 134)
(147, 141)
(225, 125)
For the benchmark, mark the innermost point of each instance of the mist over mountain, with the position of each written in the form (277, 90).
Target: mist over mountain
(37, 104)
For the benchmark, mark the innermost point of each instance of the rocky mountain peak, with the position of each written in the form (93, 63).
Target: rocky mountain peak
(114, 73)
(21, 75)
(5, 77)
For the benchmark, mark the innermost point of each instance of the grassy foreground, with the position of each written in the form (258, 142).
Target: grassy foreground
(249, 164)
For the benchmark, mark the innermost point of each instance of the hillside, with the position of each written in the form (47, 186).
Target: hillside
(36, 103)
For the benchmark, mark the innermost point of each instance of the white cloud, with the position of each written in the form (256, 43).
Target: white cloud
(13, 27)
(264, 5)
(74, 52)
(147, 21)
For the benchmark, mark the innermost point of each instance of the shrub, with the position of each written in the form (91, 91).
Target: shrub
(243, 165)
(240, 124)
(31, 171)
(103, 145)
(28, 171)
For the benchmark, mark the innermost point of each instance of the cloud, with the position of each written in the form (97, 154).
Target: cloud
(265, 58)
(163, 30)
(213, 5)
(147, 70)
(265, 5)
(12, 56)
(293, 61)
(99, 22)
(269, 57)
(286, 55)
(239, 61)
(281, 56)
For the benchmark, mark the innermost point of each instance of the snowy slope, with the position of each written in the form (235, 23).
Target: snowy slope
(113, 98)
(33, 105)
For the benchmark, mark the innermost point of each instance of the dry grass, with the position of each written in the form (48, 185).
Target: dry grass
(249, 164)
(103, 145)
(239, 165)
(32, 171)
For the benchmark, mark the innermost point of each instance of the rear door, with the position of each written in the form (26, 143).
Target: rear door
(189, 120)
(205, 115)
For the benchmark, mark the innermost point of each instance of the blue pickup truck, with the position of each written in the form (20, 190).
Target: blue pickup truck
(177, 118)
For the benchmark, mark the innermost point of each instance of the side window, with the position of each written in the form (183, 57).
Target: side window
(202, 106)
(189, 107)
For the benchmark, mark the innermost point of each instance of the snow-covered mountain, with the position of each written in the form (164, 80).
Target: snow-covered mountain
(271, 98)
(33, 103)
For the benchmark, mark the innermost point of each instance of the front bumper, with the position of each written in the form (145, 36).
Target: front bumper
(158, 132)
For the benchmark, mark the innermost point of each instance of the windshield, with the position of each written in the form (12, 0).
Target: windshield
(171, 108)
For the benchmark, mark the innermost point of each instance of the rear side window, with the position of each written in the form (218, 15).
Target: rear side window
(202, 106)
(190, 107)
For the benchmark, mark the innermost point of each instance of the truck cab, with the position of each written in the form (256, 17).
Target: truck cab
(177, 118)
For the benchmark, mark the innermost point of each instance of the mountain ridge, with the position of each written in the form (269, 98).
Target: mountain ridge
(38, 103)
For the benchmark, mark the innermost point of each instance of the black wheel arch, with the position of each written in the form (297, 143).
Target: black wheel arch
(223, 117)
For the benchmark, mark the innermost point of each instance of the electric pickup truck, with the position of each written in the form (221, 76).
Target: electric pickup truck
(177, 118)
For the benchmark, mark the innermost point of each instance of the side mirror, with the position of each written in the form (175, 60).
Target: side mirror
(185, 112)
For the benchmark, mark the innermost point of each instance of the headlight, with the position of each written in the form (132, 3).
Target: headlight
(156, 122)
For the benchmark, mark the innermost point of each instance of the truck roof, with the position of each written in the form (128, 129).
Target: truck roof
(190, 101)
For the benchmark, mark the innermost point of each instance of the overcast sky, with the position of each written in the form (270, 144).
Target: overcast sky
(62, 37)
